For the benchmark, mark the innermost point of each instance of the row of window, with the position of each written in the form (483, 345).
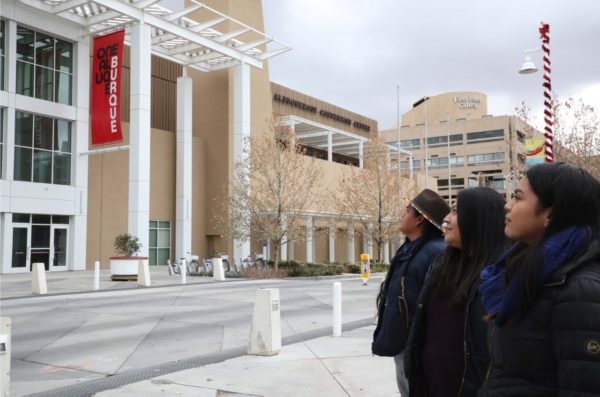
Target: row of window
(42, 151)
(44, 65)
(456, 161)
(455, 139)
(485, 158)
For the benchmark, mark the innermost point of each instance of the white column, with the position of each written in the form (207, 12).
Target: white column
(139, 136)
(291, 250)
(386, 251)
(310, 249)
(332, 231)
(80, 132)
(11, 85)
(6, 242)
(360, 154)
(329, 146)
(284, 248)
(350, 244)
(183, 200)
(369, 242)
(241, 131)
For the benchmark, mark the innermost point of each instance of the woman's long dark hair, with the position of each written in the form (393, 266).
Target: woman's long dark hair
(480, 214)
(573, 196)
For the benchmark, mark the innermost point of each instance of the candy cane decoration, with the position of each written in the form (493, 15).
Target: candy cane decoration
(548, 116)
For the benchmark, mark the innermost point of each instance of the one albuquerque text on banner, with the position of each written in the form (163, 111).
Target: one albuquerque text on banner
(106, 88)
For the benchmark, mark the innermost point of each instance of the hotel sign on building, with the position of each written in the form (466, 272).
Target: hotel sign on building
(467, 102)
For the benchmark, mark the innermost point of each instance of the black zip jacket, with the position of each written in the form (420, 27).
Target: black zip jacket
(475, 342)
(554, 350)
(393, 321)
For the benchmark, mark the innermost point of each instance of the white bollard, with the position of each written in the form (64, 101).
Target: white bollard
(38, 280)
(143, 278)
(183, 270)
(337, 309)
(96, 276)
(265, 334)
(5, 356)
(218, 271)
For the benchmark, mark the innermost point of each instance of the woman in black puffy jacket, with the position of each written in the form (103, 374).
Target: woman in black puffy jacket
(543, 295)
(447, 351)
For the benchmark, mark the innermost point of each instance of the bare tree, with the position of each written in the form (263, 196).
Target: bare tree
(272, 189)
(371, 197)
(576, 133)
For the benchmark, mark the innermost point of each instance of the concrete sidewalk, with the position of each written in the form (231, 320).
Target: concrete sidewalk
(325, 366)
(19, 284)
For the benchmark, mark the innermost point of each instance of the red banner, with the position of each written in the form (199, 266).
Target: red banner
(106, 88)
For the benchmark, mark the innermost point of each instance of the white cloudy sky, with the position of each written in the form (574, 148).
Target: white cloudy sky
(353, 53)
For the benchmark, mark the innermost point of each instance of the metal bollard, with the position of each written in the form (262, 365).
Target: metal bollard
(183, 270)
(5, 356)
(337, 309)
(96, 276)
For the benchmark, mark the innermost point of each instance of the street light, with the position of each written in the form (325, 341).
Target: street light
(449, 165)
(528, 67)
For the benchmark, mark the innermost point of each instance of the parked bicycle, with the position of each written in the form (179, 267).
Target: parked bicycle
(208, 263)
(191, 264)
(258, 262)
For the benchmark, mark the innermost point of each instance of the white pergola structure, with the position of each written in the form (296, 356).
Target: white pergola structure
(333, 140)
(211, 41)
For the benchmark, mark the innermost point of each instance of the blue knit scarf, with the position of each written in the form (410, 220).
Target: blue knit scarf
(503, 300)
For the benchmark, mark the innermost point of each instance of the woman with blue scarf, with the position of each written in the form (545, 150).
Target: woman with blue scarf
(543, 295)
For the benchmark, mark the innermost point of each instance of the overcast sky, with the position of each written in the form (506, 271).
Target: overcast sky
(353, 53)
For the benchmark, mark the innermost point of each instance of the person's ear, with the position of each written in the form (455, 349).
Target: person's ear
(548, 216)
(420, 220)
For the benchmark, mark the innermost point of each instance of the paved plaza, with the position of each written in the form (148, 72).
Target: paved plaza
(173, 339)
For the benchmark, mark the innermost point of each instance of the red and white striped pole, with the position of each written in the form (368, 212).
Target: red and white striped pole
(548, 115)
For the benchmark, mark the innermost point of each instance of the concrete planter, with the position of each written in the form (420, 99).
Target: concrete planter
(125, 267)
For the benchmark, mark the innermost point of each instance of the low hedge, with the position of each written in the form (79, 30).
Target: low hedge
(300, 269)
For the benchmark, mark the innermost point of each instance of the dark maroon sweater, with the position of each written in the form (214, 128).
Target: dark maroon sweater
(443, 350)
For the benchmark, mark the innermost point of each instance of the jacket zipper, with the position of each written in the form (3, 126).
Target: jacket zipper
(487, 375)
(403, 299)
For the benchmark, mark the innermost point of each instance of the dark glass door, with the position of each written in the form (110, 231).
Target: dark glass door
(20, 246)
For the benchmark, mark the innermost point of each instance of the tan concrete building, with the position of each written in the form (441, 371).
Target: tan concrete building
(194, 85)
(463, 144)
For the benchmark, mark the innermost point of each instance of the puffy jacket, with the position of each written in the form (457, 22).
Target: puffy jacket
(554, 350)
(393, 322)
(475, 342)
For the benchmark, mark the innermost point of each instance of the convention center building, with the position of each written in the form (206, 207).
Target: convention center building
(194, 84)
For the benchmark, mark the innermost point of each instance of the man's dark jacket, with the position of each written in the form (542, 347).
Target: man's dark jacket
(554, 350)
(393, 322)
(475, 346)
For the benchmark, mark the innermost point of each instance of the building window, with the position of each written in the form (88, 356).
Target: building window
(159, 249)
(44, 66)
(485, 136)
(457, 183)
(2, 52)
(405, 165)
(410, 144)
(1, 141)
(487, 158)
(455, 161)
(455, 139)
(42, 149)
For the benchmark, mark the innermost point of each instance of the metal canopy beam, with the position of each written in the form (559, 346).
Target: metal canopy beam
(175, 36)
